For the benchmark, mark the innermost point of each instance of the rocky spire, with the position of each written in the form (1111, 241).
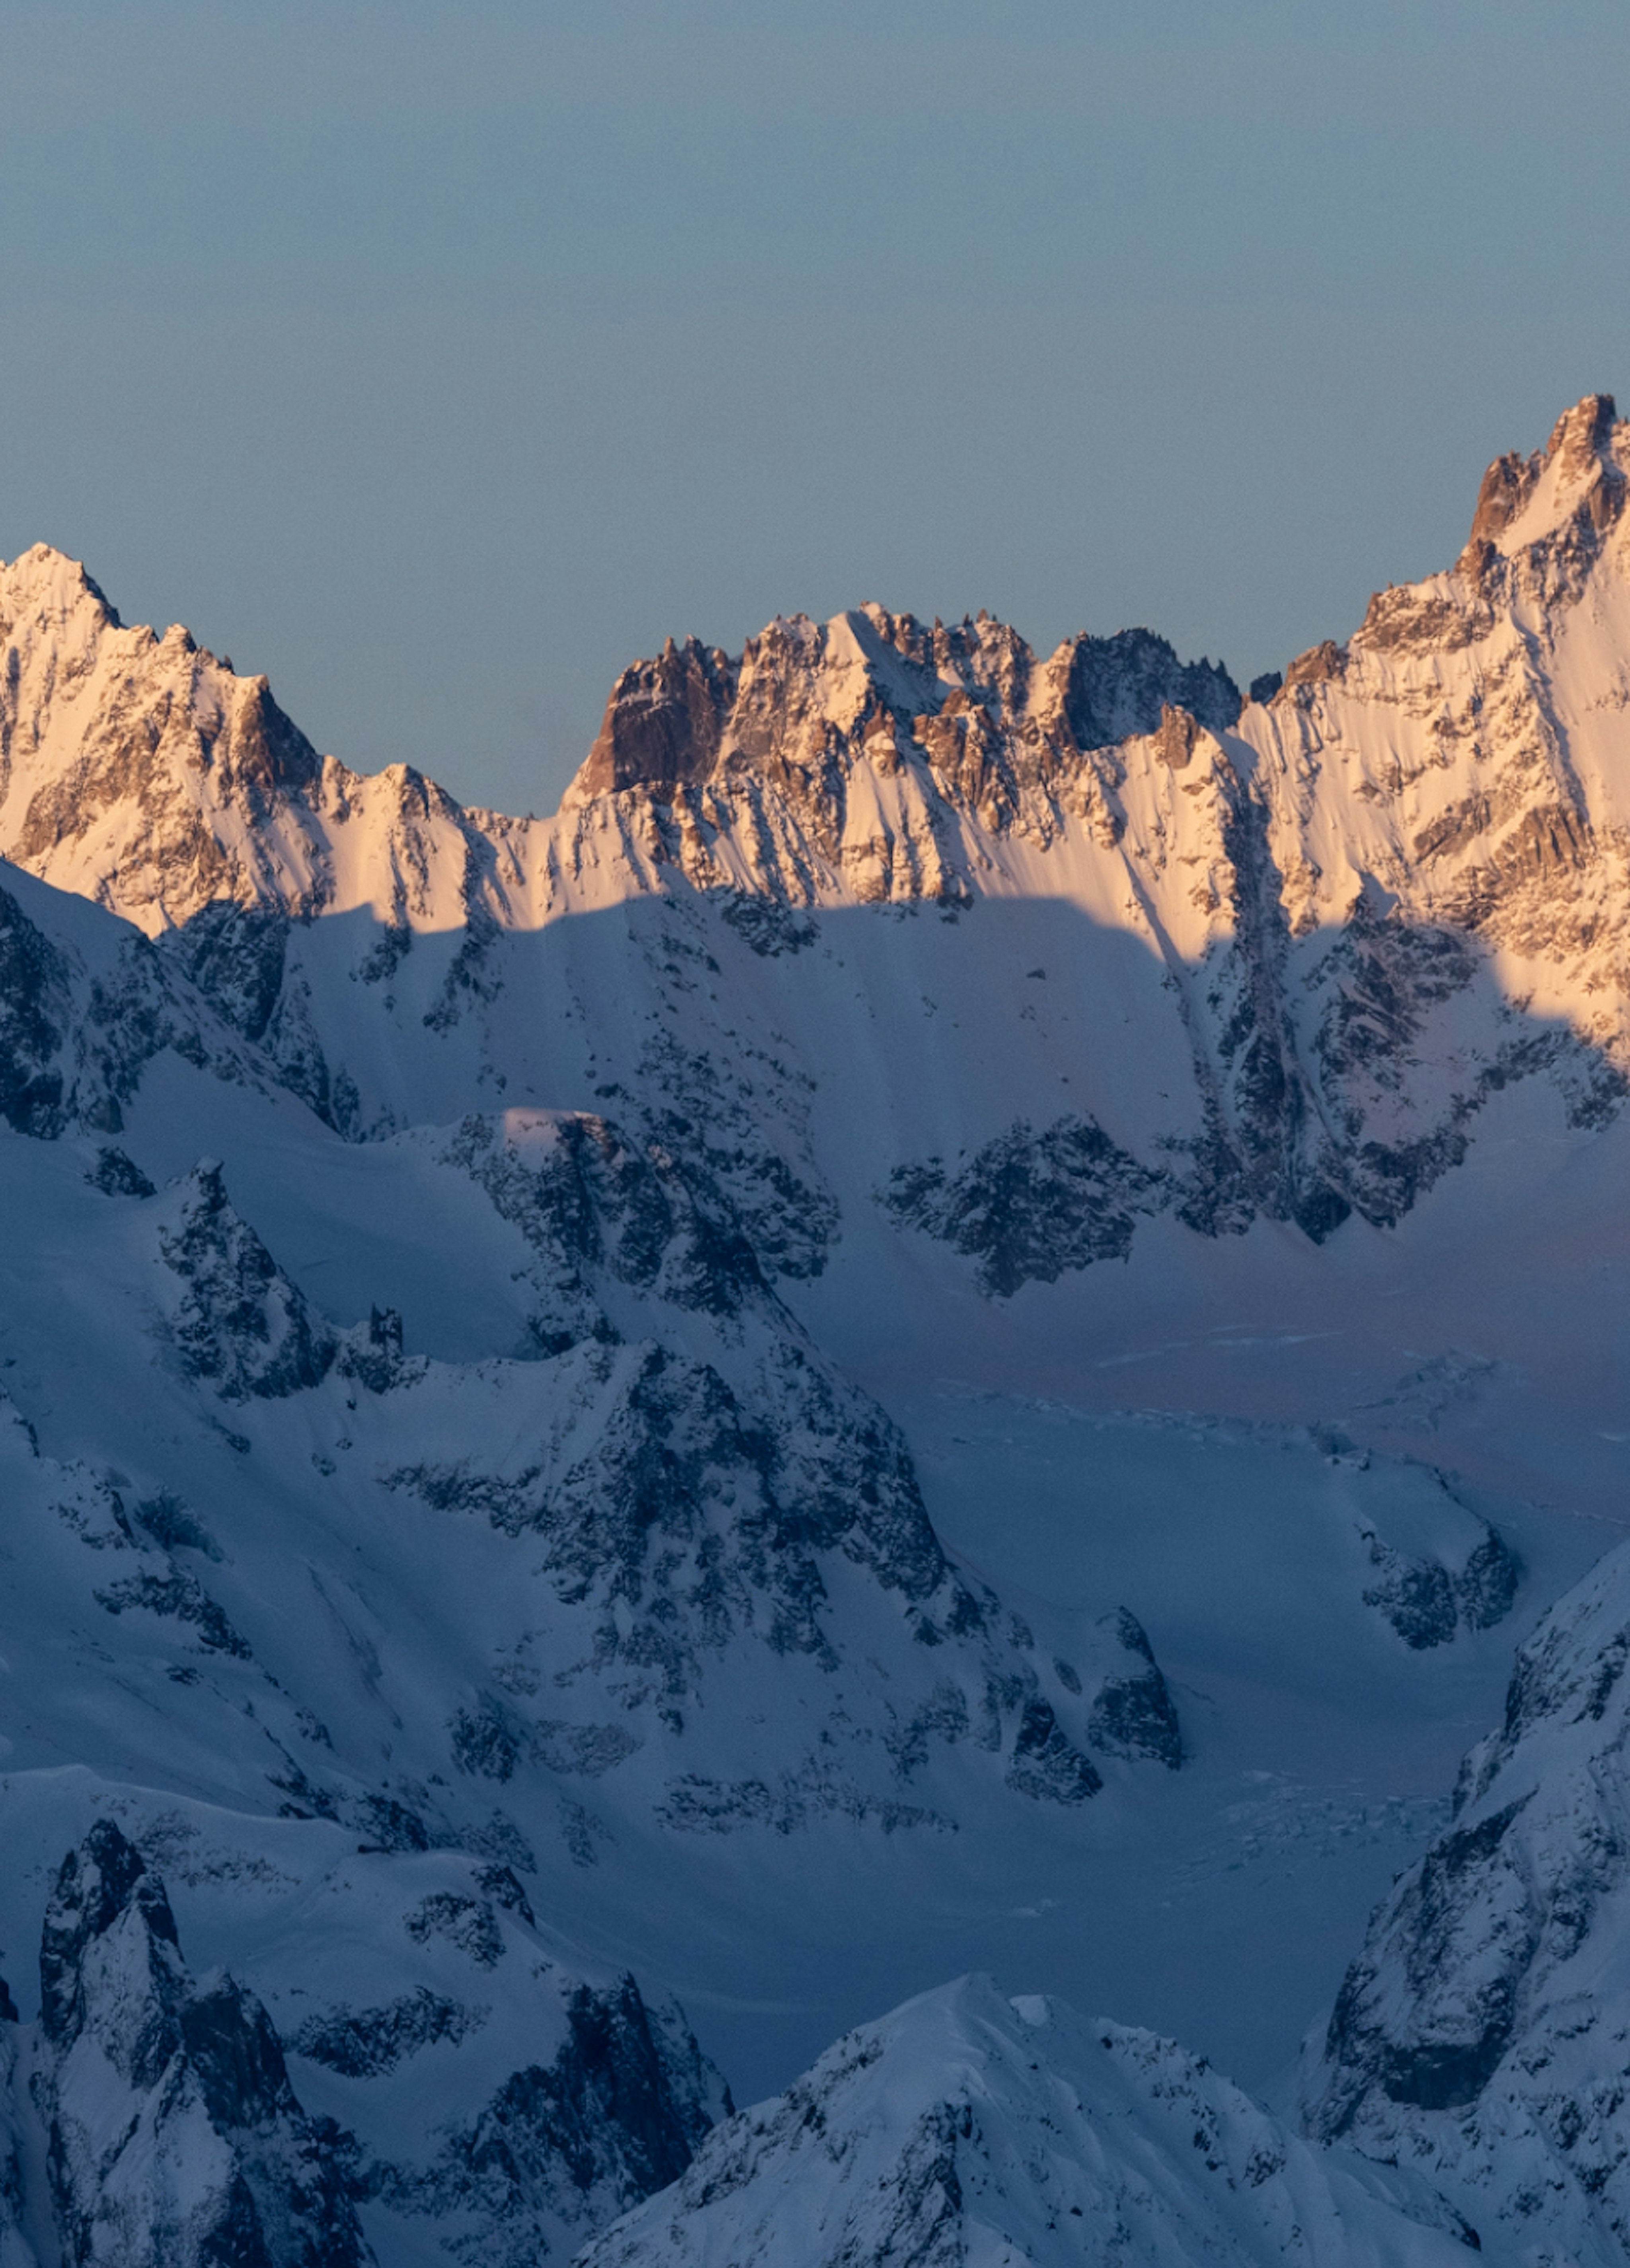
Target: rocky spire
(174, 2137)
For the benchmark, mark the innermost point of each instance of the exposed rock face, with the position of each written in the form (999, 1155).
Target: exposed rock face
(1427, 1599)
(16, 2250)
(1478, 2035)
(609, 2107)
(617, 2115)
(663, 722)
(1134, 1713)
(239, 1324)
(140, 771)
(37, 1010)
(1345, 884)
(974, 699)
(600, 1210)
(175, 2139)
(121, 750)
(968, 2128)
(1029, 1205)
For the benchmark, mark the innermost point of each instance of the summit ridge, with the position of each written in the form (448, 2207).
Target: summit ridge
(956, 1323)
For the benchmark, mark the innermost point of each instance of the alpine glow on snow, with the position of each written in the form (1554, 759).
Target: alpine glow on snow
(958, 1347)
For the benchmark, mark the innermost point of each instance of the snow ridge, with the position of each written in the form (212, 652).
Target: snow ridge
(450, 1547)
(967, 2128)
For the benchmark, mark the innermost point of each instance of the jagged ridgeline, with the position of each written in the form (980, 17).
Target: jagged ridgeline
(173, 2135)
(455, 1268)
(1171, 954)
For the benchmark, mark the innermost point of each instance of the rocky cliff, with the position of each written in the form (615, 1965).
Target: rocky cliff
(454, 1539)
(1359, 908)
(1479, 2037)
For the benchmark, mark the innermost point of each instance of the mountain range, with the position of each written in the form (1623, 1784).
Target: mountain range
(956, 1324)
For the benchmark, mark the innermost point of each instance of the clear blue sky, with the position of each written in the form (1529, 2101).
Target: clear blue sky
(438, 360)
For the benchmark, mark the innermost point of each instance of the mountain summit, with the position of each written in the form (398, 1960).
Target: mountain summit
(954, 1324)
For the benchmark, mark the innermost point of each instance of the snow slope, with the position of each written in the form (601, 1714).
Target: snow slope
(968, 2128)
(1480, 2033)
(953, 1324)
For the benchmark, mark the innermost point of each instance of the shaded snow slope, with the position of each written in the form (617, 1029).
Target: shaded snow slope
(1480, 2033)
(1341, 922)
(951, 1325)
(629, 1569)
(968, 2128)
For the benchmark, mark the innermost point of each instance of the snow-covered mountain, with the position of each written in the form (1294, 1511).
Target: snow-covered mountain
(951, 1323)
(1480, 2035)
(966, 2127)
(1341, 918)
(154, 2123)
(380, 1659)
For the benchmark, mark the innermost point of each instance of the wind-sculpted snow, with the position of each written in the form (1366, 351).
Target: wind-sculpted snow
(968, 2128)
(1480, 2035)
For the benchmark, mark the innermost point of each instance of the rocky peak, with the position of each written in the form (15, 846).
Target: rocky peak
(144, 758)
(1582, 434)
(1120, 686)
(98, 1885)
(174, 2137)
(662, 722)
(810, 704)
(231, 1319)
(1576, 478)
(48, 587)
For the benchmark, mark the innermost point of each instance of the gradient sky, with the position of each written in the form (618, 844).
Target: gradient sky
(438, 361)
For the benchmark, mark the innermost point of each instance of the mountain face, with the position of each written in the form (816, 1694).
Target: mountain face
(966, 2127)
(382, 1657)
(879, 1341)
(1329, 904)
(173, 2135)
(1479, 2035)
